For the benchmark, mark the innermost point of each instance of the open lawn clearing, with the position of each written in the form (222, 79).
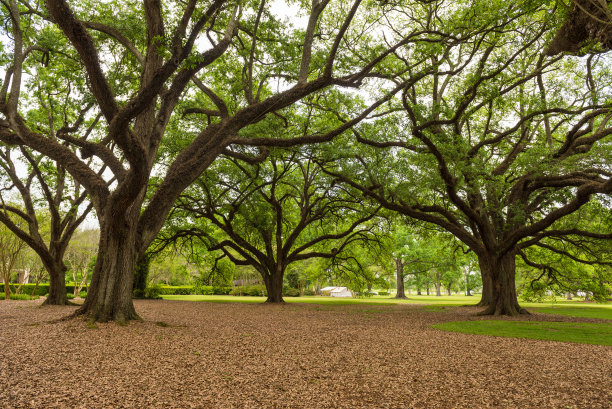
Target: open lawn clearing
(317, 299)
(603, 312)
(579, 332)
(212, 355)
(443, 301)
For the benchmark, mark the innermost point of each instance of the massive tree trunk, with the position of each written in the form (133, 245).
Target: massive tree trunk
(487, 285)
(501, 270)
(274, 285)
(110, 294)
(141, 273)
(57, 284)
(399, 271)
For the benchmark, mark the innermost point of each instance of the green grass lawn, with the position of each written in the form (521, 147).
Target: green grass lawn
(601, 311)
(453, 300)
(443, 301)
(582, 333)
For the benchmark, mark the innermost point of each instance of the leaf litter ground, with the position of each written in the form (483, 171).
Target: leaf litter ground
(209, 355)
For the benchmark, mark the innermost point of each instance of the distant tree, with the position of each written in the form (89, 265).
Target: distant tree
(52, 206)
(272, 214)
(37, 273)
(81, 250)
(11, 249)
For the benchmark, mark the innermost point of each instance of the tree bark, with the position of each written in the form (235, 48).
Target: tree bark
(141, 273)
(487, 285)
(438, 285)
(399, 271)
(57, 285)
(274, 286)
(109, 297)
(502, 272)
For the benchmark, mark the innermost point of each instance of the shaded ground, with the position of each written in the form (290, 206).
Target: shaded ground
(292, 356)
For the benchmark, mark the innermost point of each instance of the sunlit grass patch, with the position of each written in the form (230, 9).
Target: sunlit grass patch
(577, 332)
(600, 312)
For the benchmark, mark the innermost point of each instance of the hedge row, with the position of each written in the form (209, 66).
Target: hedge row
(260, 290)
(42, 289)
(252, 290)
(18, 297)
(189, 289)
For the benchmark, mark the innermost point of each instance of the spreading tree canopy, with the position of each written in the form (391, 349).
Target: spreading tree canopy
(205, 73)
(495, 146)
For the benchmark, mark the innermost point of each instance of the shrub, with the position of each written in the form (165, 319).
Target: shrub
(252, 290)
(138, 293)
(291, 292)
(383, 293)
(42, 289)
(221, 290)
(308, 292)
(176, 289)
(83, 294)
(257, 290)
(70, 296)
(20, 297)
(204, 290)
(153, 292)
(238, 290)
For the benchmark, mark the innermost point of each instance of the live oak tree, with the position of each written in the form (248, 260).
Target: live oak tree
(419, 253)
(52, 204)
(495, 146)
(79, 255)
(410, 256)
(11, 250)
(272, 214)
(52, 207)
(226, 65)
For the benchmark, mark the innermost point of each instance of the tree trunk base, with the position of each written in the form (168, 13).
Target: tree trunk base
(496, 310)
(401, 297)
(120, 316)
(275, 301)
(52, 301)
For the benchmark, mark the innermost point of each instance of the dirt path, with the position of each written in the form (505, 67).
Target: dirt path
(292, 356)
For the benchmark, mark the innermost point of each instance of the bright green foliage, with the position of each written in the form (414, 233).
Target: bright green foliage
(19, 297)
